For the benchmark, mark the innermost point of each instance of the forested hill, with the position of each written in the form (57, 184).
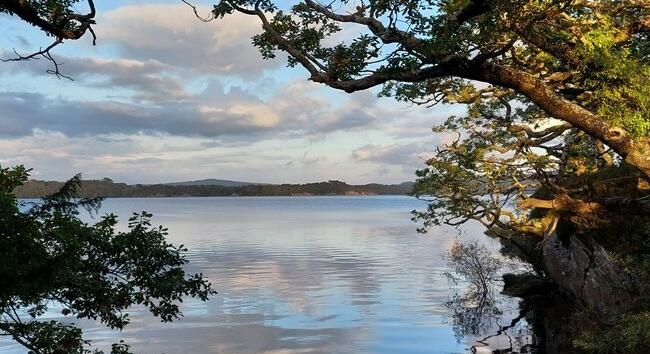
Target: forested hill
(214, 182)
(109, 189)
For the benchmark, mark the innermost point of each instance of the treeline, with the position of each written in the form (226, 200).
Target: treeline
(109, 189)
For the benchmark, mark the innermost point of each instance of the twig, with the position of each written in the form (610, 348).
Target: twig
(196, 12)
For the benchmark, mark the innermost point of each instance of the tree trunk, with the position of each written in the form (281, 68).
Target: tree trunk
(636, 152)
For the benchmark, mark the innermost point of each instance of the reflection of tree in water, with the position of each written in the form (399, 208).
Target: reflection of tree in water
(473, 314)
(477, 312)
(519, 335)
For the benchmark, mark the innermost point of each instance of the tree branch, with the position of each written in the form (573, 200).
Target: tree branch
(67, 26)
(562, 203)
(59, 29)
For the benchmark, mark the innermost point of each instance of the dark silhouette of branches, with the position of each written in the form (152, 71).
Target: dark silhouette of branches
(56, 19)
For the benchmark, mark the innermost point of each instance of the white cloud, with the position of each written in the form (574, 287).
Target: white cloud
(172, 35)
(159, 75)
(408, 155)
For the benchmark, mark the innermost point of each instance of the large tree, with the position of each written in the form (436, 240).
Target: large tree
(583, 62)
(558, 121)
(555, 89)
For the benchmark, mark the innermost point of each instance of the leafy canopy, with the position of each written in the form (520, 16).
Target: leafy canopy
(556, 91)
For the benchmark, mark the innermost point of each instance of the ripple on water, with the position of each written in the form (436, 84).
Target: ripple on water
(299, 275)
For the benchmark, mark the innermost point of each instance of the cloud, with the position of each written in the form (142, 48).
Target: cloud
(160, 75)
(418, 120)
(359, 111)
(172, 35)
(137, 158)
(167, 55)
(24, 112)
(215, 112)
(142, 158)
(149, 79)
(409, 155)
(161, 50)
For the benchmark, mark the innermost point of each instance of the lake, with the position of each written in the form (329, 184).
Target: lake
(308, 275)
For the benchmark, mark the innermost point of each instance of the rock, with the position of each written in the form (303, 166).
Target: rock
(585, 270)
(526, 285)
(555, 325)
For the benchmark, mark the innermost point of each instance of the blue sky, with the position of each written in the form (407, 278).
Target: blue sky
(164, 97)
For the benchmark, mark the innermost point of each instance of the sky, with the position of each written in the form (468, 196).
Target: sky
(163, 97)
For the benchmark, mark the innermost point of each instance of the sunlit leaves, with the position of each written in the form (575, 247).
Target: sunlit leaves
(581, 62)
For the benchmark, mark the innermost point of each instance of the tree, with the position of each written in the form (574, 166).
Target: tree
(57, 18)
(50, 258)
(558, 94)
(557, 130)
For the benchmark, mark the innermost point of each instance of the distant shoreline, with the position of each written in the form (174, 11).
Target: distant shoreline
(109, 189)
(247, 196)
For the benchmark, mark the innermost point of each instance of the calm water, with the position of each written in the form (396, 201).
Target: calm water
(304, 275)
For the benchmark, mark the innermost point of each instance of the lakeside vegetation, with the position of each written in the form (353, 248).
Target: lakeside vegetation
(552, 155)
(51, 260)
(108, 189)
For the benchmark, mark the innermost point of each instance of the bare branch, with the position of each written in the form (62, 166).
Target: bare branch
(43, 53)
(210, 18)
(387, 35)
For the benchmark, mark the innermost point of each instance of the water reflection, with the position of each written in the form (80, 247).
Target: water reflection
(308, 275)
(473, 315)
(482, 318)
(479, 312)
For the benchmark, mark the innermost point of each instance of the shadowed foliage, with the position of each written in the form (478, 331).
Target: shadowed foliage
(50, 260)
(56, 18)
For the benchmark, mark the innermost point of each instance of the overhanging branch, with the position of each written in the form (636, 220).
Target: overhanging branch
(66, 26)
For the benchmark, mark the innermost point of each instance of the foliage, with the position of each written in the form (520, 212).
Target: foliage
(557, 130)
(56, 18)
(628, 333)
(50, 259)
(104, 188)
(563, 93)
(48, 9)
